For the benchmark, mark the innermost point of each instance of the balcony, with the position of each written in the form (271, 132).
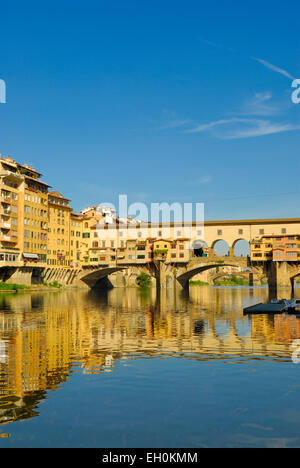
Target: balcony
(5, 212)
(5, 225)
(5, 199)
(5, 238)
(11, 175)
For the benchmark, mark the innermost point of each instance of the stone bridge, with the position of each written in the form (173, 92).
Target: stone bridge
(278, 274)
(165, 275)
(181, 274)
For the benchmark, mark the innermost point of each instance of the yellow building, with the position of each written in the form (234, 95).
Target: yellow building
(58, 230)
(162, 250)
(23, 213)
(76, 224)
(262, 249)
(90, 243)
(35, 216)
(171, 251)
(11, 211)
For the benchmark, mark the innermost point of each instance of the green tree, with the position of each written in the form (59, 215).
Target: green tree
(144, 280)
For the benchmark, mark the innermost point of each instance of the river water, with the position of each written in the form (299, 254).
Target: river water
(129, 368)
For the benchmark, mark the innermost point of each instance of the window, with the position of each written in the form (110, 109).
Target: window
(261, 231)
(220, 232)
(283, 231)
(240, 231)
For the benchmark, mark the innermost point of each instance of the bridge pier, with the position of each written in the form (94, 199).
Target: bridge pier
(280, 278)
(166, 278)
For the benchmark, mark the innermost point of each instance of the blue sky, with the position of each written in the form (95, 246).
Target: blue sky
(164, 101)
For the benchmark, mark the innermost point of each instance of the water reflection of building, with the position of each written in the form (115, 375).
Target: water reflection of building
(43, 337)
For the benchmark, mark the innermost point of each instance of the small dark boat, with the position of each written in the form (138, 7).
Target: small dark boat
(273, 307)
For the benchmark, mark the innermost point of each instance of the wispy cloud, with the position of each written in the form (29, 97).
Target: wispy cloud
(236, 128)
(273, 67)
(269, 65)
(260, 105)
(216, 123)
(261, 128)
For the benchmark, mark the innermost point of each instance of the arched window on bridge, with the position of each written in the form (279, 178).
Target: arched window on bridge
(200, 248)
(221, 248)
(241, 248)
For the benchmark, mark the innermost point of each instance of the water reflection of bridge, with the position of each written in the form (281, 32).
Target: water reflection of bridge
(42, 337)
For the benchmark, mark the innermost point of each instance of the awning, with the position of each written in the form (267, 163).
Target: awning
(31, 256)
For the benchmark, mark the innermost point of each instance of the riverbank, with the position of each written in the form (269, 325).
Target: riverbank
(232, 281)
(14, 287)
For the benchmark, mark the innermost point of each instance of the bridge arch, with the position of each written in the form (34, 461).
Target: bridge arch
(241, 248)
(225, 275)
(199, 247)
(220, 247)
(98, 277)
(185, 277)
